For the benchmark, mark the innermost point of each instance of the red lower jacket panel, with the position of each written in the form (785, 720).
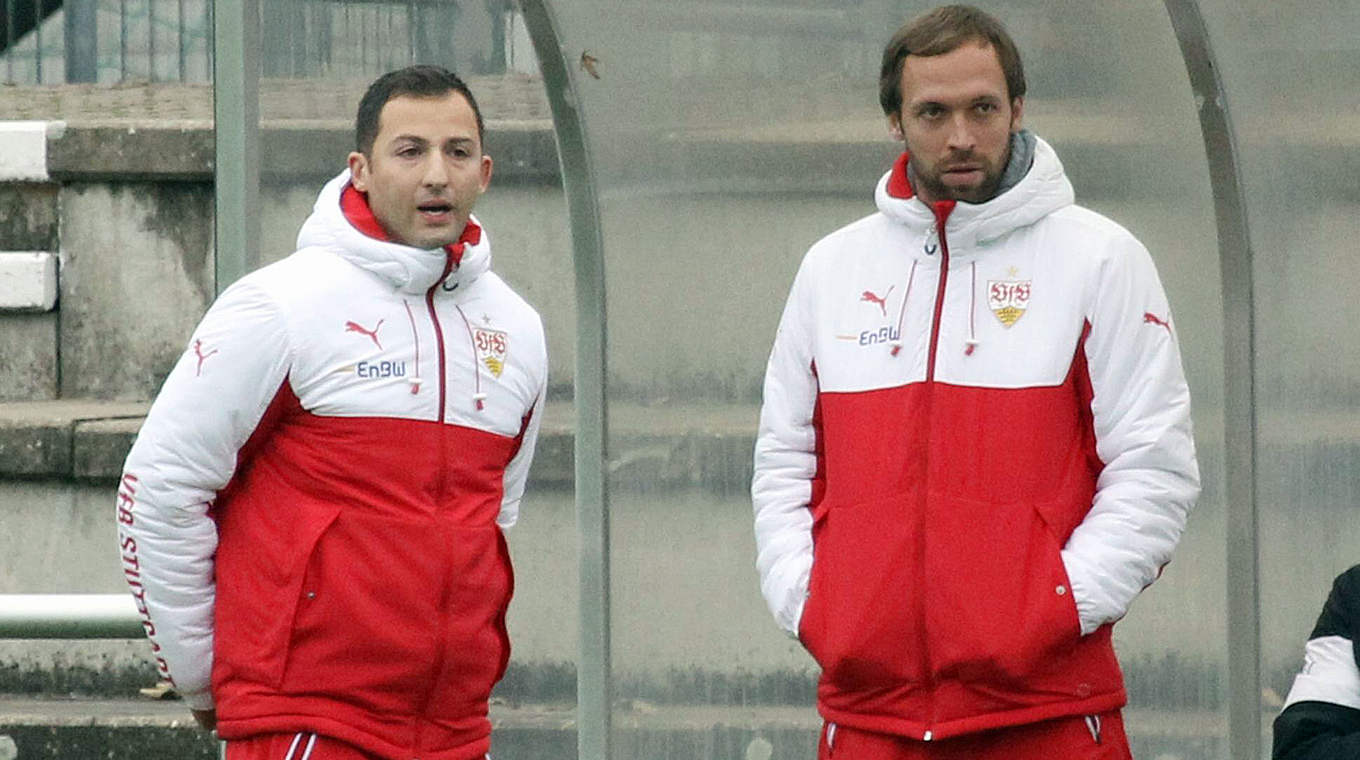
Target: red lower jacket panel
(938, 599)
(362, 584)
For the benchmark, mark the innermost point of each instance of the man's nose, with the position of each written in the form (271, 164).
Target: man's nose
(961, 136)
(436, 173)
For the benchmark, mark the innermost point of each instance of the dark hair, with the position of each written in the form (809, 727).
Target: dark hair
(941, 31)
(422, 81)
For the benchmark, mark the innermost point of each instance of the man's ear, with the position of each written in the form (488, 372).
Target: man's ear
(358, 171)
(486, 173)
(1017, 111)
(895, 126)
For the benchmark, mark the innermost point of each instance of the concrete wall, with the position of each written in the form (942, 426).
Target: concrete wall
(136, 274)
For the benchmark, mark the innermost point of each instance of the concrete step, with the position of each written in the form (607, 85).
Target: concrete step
(668, 445)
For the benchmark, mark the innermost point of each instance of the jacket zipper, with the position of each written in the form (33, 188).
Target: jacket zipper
(443, 381)
(439, 331)
(942, 211)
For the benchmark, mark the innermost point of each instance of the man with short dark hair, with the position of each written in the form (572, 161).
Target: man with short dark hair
(311, 517)
(975, 447)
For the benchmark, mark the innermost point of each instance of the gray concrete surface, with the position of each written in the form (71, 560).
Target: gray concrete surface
(136, 260)
(38, 439)
(28, 216)
(28, 357)
(28, 342)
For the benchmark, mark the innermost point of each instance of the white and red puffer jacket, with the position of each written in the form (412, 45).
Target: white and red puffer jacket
(975, 450)
(311, 515)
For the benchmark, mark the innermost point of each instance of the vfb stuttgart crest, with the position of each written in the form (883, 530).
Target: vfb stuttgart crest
(492, 346)
(1008, 299)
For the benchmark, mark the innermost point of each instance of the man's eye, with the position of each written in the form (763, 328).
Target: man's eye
(408, 152)
(930, 112)
(985, 107)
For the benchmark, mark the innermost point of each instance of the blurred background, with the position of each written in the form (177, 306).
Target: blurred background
(724, 138)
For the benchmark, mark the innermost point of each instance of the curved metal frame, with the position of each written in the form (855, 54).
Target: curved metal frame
(236, 132)
(593, 677)
(1239, 383)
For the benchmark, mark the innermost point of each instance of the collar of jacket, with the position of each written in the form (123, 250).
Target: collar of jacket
(1041, 191)
(409, 269)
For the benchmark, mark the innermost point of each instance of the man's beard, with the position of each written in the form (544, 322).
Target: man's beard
(934, 185)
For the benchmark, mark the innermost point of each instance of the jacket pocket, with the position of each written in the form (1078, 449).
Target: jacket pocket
(861, 621)
(366, 623)
(1001, 613)
(262, 554)
(312, 527)
(475, 643)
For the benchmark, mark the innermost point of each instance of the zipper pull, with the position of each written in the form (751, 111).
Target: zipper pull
(932, 245)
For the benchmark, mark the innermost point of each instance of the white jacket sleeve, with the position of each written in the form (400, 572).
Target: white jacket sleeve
(517, 471)
(184, 454)
(786, 462)
(1329, 674)
(1141, 409)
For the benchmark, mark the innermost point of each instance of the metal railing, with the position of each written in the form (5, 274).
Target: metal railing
(110, 41)
(73, 616)
(56, 41)
(69, 616)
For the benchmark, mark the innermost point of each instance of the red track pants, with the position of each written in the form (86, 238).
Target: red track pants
(300, 746)
(1097, 737)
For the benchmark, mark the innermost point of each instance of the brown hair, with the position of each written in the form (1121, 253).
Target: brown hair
(422, 81)
(940, 31)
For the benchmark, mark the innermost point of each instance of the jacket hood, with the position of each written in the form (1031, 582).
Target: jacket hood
(1043, 190)
(413, 270)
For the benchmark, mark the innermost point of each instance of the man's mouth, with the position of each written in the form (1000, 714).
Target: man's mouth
(962, 172)
(435, 212)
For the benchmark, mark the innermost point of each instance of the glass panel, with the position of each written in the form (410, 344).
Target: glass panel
(1286, 66)
(730, 137)
(318, 57)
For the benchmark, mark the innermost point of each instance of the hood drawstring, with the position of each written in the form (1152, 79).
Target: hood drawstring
(414, 380)
(454, 254)
(972, 342)
(477, 395)
(902, 312)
